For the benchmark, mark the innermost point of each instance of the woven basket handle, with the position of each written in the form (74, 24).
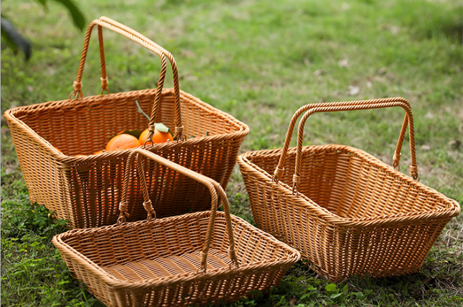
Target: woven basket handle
(279, 170)
(145, 42)
(177, 112)
(352, 106)
(213, 186)
(356, 105)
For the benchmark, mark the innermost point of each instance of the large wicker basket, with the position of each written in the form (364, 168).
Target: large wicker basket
(86, 190)
(347, 212)
(162, 262)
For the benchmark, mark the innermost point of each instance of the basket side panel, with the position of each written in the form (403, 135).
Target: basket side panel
(352, 185)
(318, 175)
(376, 251)
(42, 173)
(141, 240)
(278, 212)
(95, 285)
(84, 126)
(192, 293)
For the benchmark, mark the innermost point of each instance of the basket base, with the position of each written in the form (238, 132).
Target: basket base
(160, 267)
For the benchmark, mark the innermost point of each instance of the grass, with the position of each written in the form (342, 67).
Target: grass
(259, 61)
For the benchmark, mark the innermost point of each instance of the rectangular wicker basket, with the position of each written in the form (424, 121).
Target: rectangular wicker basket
(85, 190)
(162, 262)
(347, 212)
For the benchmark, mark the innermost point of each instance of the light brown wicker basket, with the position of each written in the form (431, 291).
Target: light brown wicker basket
(161, 262)
(86, 190)
(347, 212)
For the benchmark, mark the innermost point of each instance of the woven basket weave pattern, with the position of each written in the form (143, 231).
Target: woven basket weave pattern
(352, 215)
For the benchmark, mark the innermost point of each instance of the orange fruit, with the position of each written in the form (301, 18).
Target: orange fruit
(158, 137)
(80, 156)
(122, 142)
(99, 151)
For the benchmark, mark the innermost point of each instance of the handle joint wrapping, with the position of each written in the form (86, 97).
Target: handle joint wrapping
(278, 173)
(123, 209)
(203, 261)
(232, 255)
(414, 172)
(77, 86)
(179, 133)
(104, 83)
(148, 205)
(77, 92)
(396, 159)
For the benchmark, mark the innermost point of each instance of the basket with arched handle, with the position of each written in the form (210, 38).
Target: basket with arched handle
(347, 212)
(85, 190)
(185, 260)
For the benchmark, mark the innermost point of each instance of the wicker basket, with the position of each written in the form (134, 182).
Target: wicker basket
(161, 262)
(86, 190)
(347, 212)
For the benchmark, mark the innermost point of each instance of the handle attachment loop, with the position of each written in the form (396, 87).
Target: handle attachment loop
(123, 209)
(148, 205)
(104, 85)
(396, 160)
(277, 174)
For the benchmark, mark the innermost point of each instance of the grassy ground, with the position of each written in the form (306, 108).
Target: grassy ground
(259, 61)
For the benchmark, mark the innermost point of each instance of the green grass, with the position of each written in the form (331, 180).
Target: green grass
(259, 61)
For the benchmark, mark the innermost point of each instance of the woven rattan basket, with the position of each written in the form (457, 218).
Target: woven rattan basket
(86, 190)
(162, 262)
(347, 212)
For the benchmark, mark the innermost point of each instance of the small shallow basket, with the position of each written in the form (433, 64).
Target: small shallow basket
(87, 190)
(347, 212)
(162, 262)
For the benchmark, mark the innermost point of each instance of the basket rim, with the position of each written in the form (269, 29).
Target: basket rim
(244, 160)
(10, 115)
(64, 248)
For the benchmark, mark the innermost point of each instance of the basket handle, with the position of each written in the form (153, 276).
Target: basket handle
(358, 105)
(396, 159)
(178, 133)
(213, 186)
(145, 42)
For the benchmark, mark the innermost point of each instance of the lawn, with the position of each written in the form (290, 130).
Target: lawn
(259, 61)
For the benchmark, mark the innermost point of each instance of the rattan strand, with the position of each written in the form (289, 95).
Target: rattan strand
(86, 191)
(347, 212)
(160, 262)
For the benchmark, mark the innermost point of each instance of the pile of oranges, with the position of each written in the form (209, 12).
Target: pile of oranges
(127, 139)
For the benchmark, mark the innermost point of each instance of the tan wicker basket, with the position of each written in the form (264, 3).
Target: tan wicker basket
(161, 262)
(347, 212)
(86, 190)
